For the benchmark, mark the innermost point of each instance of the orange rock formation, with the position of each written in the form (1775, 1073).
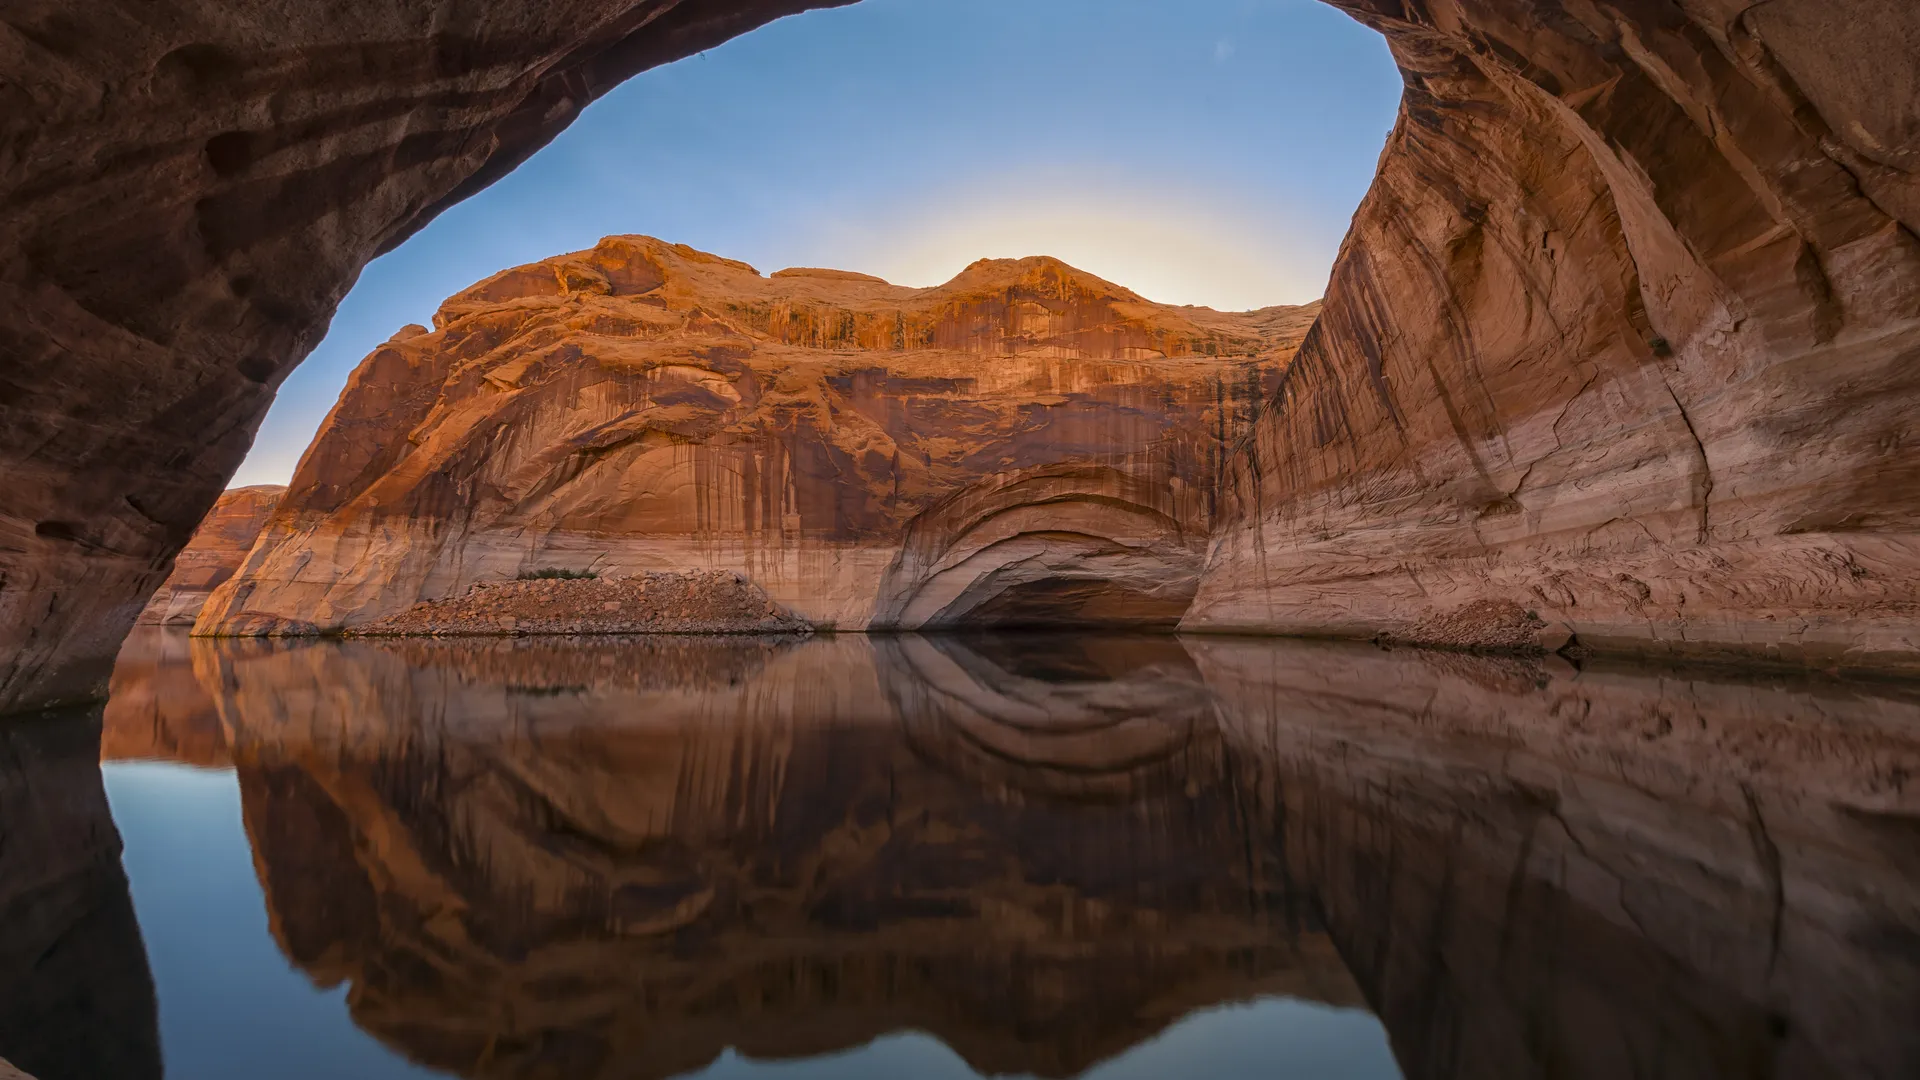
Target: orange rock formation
(1026, 443)
(1627, 334)
(214, 553)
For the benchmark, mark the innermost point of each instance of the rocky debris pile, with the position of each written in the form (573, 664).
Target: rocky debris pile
(1498, 625)
(701, 602)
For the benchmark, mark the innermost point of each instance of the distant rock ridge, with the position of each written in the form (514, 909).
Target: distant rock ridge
(218, 547)
(1027, 443)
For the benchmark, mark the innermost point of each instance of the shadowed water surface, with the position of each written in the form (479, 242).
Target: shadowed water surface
(954, 857)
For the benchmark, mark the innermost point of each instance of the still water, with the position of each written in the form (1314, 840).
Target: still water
(911, 857)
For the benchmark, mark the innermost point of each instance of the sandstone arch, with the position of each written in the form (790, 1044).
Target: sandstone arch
(1057, 545)
(1627, 325)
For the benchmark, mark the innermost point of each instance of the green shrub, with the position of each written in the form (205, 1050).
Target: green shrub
(555, 573)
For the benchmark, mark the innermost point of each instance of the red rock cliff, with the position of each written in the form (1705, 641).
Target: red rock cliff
(215, 552)
(1627, 333)
(1027, 443)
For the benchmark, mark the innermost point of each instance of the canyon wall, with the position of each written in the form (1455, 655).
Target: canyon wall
(218, 547)
(1026, 443)
(1626, 334)
(1626, 321)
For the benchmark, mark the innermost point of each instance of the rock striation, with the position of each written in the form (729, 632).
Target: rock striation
(1626, 334)
(218, 547)
(1024, 444)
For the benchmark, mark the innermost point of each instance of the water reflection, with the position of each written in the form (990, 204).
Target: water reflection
(76, 997)
(624, 858)
(621, 858)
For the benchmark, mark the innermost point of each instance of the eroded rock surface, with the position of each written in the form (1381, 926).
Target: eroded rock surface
(1027, 443)
(218, 547)
(1627, 334)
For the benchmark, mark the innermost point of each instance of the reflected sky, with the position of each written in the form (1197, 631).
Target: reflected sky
(230, 1004)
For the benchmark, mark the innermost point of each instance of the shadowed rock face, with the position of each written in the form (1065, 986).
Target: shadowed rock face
(1627, 318)
(218, 547)
(629, 855)
(1026, 443)
(1627, 333)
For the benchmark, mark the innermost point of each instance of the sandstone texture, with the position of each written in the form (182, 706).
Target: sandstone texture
(1043, 849)
(713, 602)
(1626, 334)
(215, 552)
(1024, 444)
(1626, 325)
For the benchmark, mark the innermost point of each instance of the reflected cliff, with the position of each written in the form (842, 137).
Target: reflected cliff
(529, 857)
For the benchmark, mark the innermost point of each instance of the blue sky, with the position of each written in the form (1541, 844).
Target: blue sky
(1205, 152)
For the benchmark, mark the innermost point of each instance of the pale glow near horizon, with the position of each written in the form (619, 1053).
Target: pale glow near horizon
(1170, 246)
